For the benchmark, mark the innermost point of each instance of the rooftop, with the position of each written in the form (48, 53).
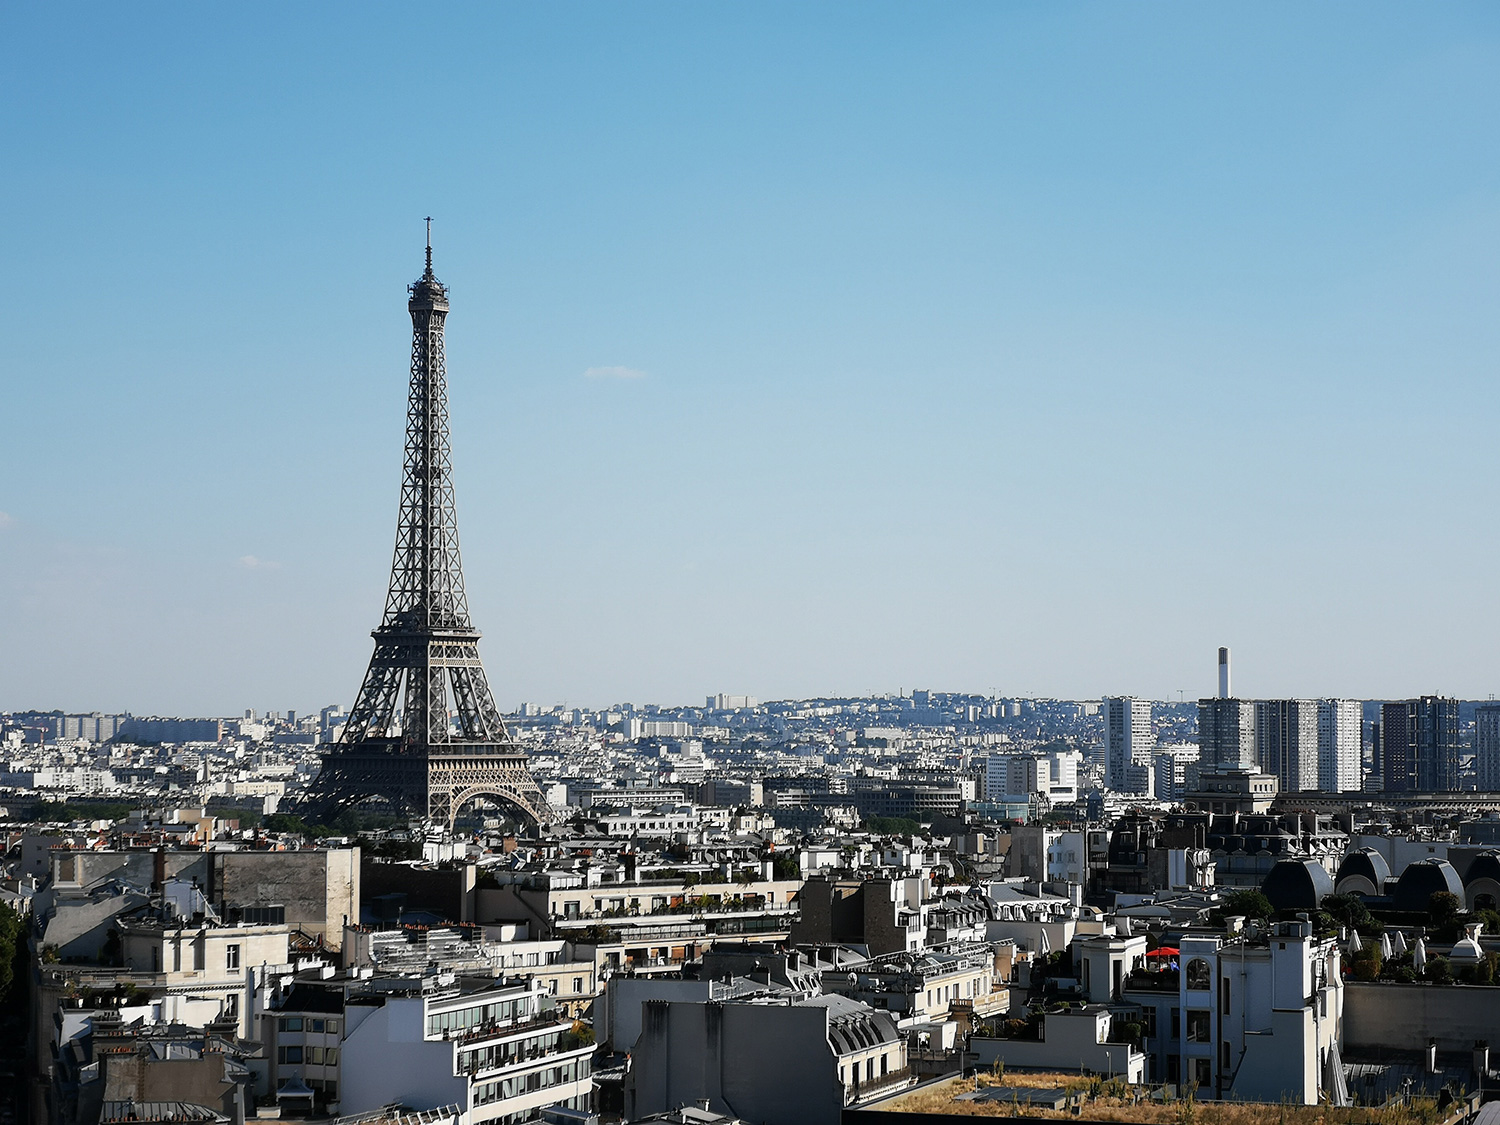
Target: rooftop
(1097, 1100)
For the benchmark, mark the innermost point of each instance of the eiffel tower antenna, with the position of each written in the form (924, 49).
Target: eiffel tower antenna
(424, 734)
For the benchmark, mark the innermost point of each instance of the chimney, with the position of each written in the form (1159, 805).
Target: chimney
(1430, 1056)
(1224, 673)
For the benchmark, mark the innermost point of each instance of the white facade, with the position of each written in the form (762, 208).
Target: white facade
(1053, 775)
(1260, 1022)
(496, 1054)
(1128, 742)
(1067, 857)
(663, 820)
(210, 970)
(1172, 767)
(1340, 725)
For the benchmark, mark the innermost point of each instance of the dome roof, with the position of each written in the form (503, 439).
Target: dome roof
(1486, 865)
(1423, 879)
(1366, 863)
(1468, 950)
(1297, 884)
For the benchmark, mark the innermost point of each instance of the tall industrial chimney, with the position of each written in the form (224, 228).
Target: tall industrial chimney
(1223, 673)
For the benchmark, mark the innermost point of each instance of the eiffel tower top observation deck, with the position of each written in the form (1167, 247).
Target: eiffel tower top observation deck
(424, 735)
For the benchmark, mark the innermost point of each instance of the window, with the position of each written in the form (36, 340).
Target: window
(177, 956)
(1197, 1027)
(1198, 974)
(291, 1023)
(232, 1007)
(552, 986)
(1148, 1022)
(315, 1056)
(577, 984)
(1176, 1023)
(1203, 1071)
(289, 1055)
(232, 958)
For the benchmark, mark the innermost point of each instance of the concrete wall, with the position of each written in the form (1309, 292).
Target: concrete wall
(617, 1019)
(320, 889)
(1280, 1066)
(1072, 1041)
(137, 868)
(832, 910)
(385, 1060)
(767, 1063)
(1403, 1017)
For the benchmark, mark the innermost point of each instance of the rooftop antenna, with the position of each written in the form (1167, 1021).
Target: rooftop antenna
(429, 244)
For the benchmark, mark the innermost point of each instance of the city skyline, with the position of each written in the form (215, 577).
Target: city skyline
(1030, 350)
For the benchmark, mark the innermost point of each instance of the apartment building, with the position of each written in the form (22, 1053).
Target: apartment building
(499, 1051)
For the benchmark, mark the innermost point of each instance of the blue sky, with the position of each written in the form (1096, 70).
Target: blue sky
(1019, 348)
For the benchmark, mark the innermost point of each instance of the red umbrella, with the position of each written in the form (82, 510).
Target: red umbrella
(1163, 951)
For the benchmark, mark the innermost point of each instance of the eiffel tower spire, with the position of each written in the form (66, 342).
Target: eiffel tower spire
(399, 742)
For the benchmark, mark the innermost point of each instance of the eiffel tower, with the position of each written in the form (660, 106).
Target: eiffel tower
(399, 744)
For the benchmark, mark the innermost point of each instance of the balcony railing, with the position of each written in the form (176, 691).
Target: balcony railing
(566, 1045)
(863, 1088)
(499, 1028)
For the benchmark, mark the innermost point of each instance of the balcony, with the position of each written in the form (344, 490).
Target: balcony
(1164, 980)
(499, 1030)
(568, 1044)
(864, 1089)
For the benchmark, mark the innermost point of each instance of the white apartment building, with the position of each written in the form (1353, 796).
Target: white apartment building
(208, 969)
(1053, 775)
(1175, 770)
(1260, 1022)
(1128, 742)
(1340, 728)
(661, 820)
(501, 1054)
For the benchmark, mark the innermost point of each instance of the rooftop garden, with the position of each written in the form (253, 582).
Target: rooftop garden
(1099, 1099)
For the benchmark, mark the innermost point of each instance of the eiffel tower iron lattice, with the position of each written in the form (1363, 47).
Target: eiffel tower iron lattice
(399, 743)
